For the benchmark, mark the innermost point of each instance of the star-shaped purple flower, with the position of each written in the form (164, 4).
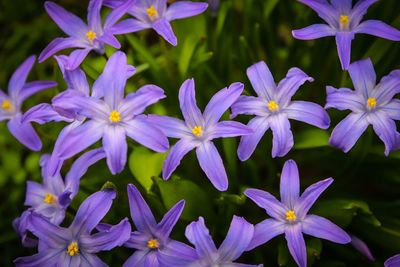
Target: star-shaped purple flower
(75, 245)
(393, 261)
(84, 37)
(155, 14)
(198, 130)
(344, 21)
(273, 108)
(290, 215)
(10, 105)
(370, 104)
(111, 117)
(206, 254)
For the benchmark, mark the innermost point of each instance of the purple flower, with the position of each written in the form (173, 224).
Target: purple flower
(198, 130)
(10, 105)
(111, 117)
(155, 14)
(290, 215)
(393, 261)
(52, 198)
(273, 109)
(206, 254)
(84, 37)
(362, 247)
(344, 21)
(75, 245)
(370, 104)
(151, 237)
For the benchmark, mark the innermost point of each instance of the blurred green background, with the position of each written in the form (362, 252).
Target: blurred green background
(215, 49)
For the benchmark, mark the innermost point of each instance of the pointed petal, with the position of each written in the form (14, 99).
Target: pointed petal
(137, 240)
(94, 16)
(343, 6)
(59, 44)
(392, 109)
(52, 235)
(44, 258)
(187, 100)
(363, 75)
(76, 58)
(170, 219)
(343, 43)
(137, 259)
(117, 13)
(315, 31)
(387, 88)
(171, 127)
(221, 101)
(249, 105)
(32, 88)
(290, 184)
(128, 26)
(163, 28)
(140, 212)
(346, 133)
(42, 114)
(393, 261)
(211, 163)
(296, 244)
(198, 234)
(344, 98)
(177, 254)
(116, 148)
(308, 112)
(35, 193)
(24, 133)
(324, 10)
(226, 129)
(386, 129)
(310, 195)
(175, 155)
(379, 29)
(248, 143)
(90, 260)
(322, 228)
(282, 140)
(110, 39)
(265, 200)
(75, 79)
(265, 231)
(262, 80)
(18, 79)
(359, 10)
(184, 9)
(238, 238)
(362, 247)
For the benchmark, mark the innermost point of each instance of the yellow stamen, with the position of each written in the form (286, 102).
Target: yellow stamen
(344, 22)
(152, 12)
(91, 35)
(73, 249)
(272, 105)
(115, 116)
(152, 243)
(6, 105)
(291, 216)
(197, 131)
(49, 198)
(371, 102)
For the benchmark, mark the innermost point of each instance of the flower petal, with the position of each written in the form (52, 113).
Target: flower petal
(211, 163)
(282, 140)
(387, 88)
(393, 261)
(308, 112)
(24, 133)
(262, 80)
(137, 259)
(163, 28)
(324, 10)
(117, 13)
(347, 132)
(170, 219)
(140, 212)
(35, 193)
(184, 9)
(75, 79)
(187, 100)
(322, 228)
(238, 238)
(221, 101)
(364, 77)
(137, 240)
(362, 247)
(290, 184)
(343, 43)
(344, 98)
(129, 26)
(265, 200)
(392, 109)
(175, 155)
(265, 231)
(198, 234)
(89, 260)
(41, 114)
(110, 39)
(314, 32)
(116, 148)
(379, 29)
(359, 10)
(52, 235)
(32, 88)
(296, 244)
(94, 16)
(226, 129)
(343, 6)
(44, 258)
(76, 58)
(249, 105)
(248, 143)
(177, 254)
(18, 79)
(310, 195)
(171, 127)
(385, 128)
(59, 44)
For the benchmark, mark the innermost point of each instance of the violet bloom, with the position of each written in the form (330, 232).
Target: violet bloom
(75, 245)
(198, 130)
(273, 109)
(151, 237)
(155, 14)
(112, 118)
(393, 261)
(344, 21)
(370, 104)
(10, 105)
(206, 254)
(290, 215)
(84, 37)
(52, 198)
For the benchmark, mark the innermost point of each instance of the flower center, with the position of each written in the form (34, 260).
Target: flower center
(115, 116)
(272, 106)
(291, 216)
(152, 12)
(49, 198)
(6, 105)
(152, 243)
(197, 131)
(73, 249)
(344, 22)
(91, 35)
(371, 102)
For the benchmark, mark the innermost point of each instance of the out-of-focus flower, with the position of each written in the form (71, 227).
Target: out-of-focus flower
(198, 130)
(289, 216)
(84, 37)
(155, 14)
(393, 261)
(206, 254)
(370, 104)
(10, 105)
(344, 21)
(75, 245)
(362, 247)
(273, 109)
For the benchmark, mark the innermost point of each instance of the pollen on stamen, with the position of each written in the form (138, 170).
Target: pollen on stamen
(371, 102)
(91, 35)
(115, 116)
(152, 244)
(197, 131)
(6, 105)
(49, 198)
(291, 216)
(73, 249)
(152, 12)
(273, 106)
(344, 21)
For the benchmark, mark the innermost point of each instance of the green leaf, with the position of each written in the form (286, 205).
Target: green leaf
(311, 138)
